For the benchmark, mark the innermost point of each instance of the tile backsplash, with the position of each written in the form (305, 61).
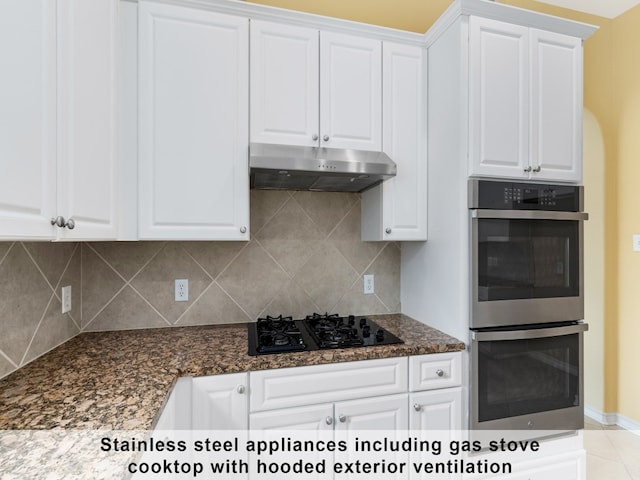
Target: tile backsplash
(31, 322)
(305, 256)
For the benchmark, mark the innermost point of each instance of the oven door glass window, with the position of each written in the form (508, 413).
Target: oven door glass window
(522, 259)
(520, 377)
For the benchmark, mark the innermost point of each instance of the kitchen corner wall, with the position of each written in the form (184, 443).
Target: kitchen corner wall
(305, 256)
(31, 322)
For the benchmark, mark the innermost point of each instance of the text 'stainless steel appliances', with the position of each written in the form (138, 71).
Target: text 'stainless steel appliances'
(527, 306)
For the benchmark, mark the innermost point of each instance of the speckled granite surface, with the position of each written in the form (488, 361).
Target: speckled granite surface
(120, 380)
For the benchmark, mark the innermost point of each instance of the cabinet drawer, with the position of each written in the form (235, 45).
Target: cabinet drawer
(439, 370)
(289, 387)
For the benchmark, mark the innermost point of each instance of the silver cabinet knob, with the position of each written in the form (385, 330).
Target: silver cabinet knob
(71, 224)
(342, 418)
(325, 138)
(329, 420)
(537, 169)
(243, 229)
(240, 389)
(314, 137)
(528, 169)
(387, 230)
(416, 407)
(439, 372)
(58, 221)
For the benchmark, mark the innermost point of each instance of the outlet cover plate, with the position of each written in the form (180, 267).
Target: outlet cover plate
(66, 299)
(182, 290)
(368, 285)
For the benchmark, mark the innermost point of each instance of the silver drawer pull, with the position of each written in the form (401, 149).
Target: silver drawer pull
(416, 407)
(328, 420)
(342, 418)
(440, 372)
(240, 389)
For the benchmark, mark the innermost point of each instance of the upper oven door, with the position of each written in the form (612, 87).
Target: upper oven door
(526, 267)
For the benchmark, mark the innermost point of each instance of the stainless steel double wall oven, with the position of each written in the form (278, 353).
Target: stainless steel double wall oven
(527, 305)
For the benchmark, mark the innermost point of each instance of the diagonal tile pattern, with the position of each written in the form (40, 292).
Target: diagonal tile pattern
(305, 256)
(31, 319)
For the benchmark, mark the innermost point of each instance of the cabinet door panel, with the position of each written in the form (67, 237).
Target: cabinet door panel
(350, 92)
(218, 403)
(87, 189)
(284, 84)
(436, 410)
(313, 417)
(556, 105)
(376, 413)
(498, 98)
(27, 118)
(193, 84)
(405, 206)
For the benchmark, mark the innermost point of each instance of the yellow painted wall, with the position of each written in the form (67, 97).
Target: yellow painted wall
(626, 101)
(611, 176)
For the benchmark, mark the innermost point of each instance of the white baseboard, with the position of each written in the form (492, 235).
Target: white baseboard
(612, 419)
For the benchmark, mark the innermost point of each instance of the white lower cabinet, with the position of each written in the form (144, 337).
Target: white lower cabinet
(219, 402)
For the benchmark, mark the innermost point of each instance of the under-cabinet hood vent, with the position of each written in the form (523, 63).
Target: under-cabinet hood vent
(285, 167)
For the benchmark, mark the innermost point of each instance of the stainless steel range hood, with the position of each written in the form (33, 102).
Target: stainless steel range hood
(285, 167)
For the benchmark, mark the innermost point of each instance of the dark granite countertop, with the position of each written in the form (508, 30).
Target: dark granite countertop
(120, 380)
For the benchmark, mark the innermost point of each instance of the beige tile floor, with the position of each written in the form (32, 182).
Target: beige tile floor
(612, 452)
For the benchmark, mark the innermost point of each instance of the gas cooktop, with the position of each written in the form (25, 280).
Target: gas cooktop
(315, 332)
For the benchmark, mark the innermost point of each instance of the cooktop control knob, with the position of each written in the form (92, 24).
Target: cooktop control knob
(380, 335)
(352, 320)
(363, 322)
(366, 331)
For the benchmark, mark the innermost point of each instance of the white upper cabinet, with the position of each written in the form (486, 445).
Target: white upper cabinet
(499, 98)
(397, 208)
(193, 124)
(312, 88)
(556, 117)
(87, 183)
(350, 92)
(57, 150)
(284, 84)
(27, 118)
(525, 102)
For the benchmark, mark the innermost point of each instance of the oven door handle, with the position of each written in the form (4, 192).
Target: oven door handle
(528, 215)
(527, 334)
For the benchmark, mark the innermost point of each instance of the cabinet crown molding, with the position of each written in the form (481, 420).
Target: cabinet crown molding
(510, 14)
(301, 19)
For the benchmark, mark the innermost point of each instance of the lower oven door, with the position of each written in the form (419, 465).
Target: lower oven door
(531, 378)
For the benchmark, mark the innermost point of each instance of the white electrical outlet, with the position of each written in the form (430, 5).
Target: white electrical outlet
(636, 243)
(182, 290)
(66, 299)
(368, 284)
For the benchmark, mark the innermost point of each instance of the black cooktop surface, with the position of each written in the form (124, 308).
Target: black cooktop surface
(316, 332)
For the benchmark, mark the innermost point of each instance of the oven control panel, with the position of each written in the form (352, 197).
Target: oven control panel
(499, 195)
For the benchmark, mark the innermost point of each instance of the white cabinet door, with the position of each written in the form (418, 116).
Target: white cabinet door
(350, 92)
(498, 98)
(311, 417)
(284, 84)
(27, 118)
(219, 402)
(436, 409)
(376, 413)
(436, 415)
(397, 208)
(87, 153)
(556, 86)
(193, 130)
